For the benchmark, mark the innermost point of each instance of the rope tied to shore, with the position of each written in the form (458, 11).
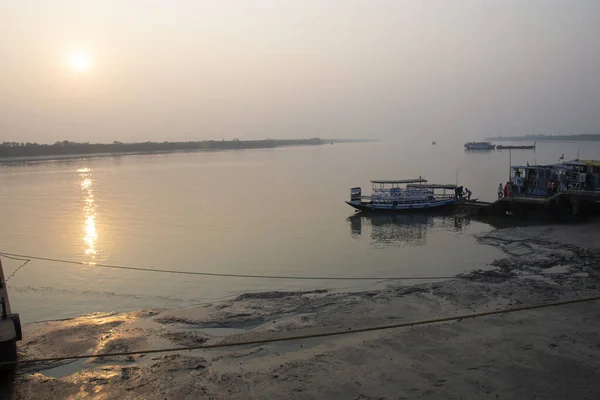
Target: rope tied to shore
(347, 331)
(254, 276)
(27, 260)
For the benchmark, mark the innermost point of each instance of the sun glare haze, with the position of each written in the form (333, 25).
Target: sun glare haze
(80, 61)
(392, 70)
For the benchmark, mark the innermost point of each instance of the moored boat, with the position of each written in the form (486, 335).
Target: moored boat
(520, 147)
(479, 146)
(402, 195)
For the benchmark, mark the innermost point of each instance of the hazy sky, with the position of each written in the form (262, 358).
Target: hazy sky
(139, 70)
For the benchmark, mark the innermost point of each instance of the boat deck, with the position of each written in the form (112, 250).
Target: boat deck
(506, 203)
(577, 194)
(431, 186)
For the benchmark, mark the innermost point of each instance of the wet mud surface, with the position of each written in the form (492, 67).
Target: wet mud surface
(546, 354)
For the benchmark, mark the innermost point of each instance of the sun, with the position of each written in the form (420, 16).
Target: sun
(80, 61)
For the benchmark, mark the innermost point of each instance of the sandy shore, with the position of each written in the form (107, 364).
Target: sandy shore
(543, 354)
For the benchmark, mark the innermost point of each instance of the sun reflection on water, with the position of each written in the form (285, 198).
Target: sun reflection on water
(90, 234)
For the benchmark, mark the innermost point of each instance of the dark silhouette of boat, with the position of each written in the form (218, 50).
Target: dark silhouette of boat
(479, 146)
(507, 147)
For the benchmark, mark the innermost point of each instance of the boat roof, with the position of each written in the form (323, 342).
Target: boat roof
(563, 164)
(418, 180)
(433, 186)
(589, 163)
(539, 166)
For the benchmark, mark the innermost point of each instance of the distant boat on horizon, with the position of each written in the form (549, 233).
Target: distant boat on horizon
(479, 146)
(510, 147)
(434, 143)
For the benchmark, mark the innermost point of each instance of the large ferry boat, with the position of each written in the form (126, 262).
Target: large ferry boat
(402, 195)
(516, 147)
(480, 146)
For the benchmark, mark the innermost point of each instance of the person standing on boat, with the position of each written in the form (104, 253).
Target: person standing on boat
(458, 192)
(500, 191)
(506, 189)
(518, 182)
(588, 181)
(468, 193)
(582, 180)
(562, 186)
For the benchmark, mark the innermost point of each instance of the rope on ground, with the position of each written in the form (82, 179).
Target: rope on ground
(309, 336)
(18, 268)
(252, 276)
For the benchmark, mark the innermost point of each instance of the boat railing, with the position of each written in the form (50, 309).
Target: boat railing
(413, 189)
(405, 198)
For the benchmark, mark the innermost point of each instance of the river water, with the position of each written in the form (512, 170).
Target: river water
(273, 211)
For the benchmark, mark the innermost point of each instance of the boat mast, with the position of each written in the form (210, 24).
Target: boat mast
(457, 176)
(509, 162)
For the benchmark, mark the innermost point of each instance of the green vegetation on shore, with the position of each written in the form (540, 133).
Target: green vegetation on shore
(561, 138)
(351, 140)
(68, 148)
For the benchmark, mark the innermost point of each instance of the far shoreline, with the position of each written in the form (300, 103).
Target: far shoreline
(171, 148)
(66, 157)
(591, 138)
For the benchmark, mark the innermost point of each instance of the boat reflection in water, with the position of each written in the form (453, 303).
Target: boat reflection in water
(393, 229)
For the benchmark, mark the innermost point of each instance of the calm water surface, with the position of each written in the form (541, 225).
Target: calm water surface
(274, 211)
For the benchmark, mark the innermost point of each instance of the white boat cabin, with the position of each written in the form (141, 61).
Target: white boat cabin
(402, 194)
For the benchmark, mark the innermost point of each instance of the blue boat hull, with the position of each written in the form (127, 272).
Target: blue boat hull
(434, 205)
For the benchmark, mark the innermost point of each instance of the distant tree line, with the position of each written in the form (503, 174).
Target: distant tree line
(563, 138)
(66, 147)
(351, 140)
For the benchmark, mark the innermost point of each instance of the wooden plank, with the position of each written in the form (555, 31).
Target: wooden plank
(7, 327)
(582, 193)
(3, 291)
(525, 200)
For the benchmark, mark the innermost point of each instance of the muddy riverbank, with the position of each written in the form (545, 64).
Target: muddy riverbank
(549, 353)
